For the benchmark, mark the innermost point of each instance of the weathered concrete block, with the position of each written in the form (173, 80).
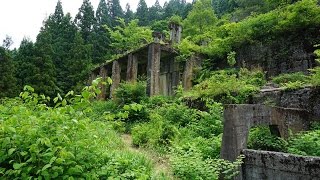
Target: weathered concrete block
(274, 165)
(306, 98)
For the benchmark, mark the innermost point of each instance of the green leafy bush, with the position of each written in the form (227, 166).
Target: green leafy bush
(128, 93)
(229, 87)
(306, 144)
(291, 77)
(157, 132)
(178, 114)
(315, 76)
(191, 165)
(260, 138)
(37, 141)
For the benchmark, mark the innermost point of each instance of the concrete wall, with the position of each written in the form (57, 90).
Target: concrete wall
(238, 119)
(274, 165)
(289, 52)
(306, 98)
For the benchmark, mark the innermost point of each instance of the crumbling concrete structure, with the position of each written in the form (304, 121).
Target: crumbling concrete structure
(238, 119)
(155, 62)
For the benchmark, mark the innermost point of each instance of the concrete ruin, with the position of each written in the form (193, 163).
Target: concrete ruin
(238, 119)
(276, 165)
(154, 62)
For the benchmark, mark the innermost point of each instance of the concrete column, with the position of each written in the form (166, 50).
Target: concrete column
(103, 87)
(188, 74)
(153, 69)
(132, 68)
(116, 77)
(92, 77)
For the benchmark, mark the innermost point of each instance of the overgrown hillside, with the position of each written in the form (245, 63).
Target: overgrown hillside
(50, 132)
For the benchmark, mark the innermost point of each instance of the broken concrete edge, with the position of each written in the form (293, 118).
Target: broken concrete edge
(164, 47)
(279, 161)
(256, 105)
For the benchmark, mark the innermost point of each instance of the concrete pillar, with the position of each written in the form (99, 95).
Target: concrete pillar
(116, 77)
(132, 68)
(92, 77)
(188, 73)
(153, 69)
(103, 87)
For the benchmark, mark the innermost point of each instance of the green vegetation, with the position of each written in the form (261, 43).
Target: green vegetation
(50, 132)
(63, 142)
(305, 143)
(228, 86)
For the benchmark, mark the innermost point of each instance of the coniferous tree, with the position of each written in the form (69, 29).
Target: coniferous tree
(24, 63)
(85, 19)
(115, 12)
(100, 38)
(129, 15)
(43, 79)
(155, 12)
(142, 13)
(102, 14)
(78, 63)
(7, 79)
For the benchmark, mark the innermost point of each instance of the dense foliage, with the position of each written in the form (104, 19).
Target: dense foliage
(64, 142)
(228, 86)
(49, 132)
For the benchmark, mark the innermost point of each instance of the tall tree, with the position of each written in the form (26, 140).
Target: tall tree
(85, 19)
(142, 13)
(102, 14)
(78, 63)
(7, 78)
(201, 19)
(129, 15)
(115, 12)
(24, 63)
(44, 76)
(58, 13)
(100, 38)
(155, 12)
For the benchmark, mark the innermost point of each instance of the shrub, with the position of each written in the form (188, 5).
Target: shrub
(229, 87)
(306, 144)
(315, 76)
(41, 142)
(178, 114)
(128, 93)
(157, 132)
(191, 165)
(291, 77)
(260, 138)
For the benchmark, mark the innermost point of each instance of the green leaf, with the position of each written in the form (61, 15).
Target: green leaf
(46, 167)
(64, 102)
(11, 151)
(18, 165)
(55, 100)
